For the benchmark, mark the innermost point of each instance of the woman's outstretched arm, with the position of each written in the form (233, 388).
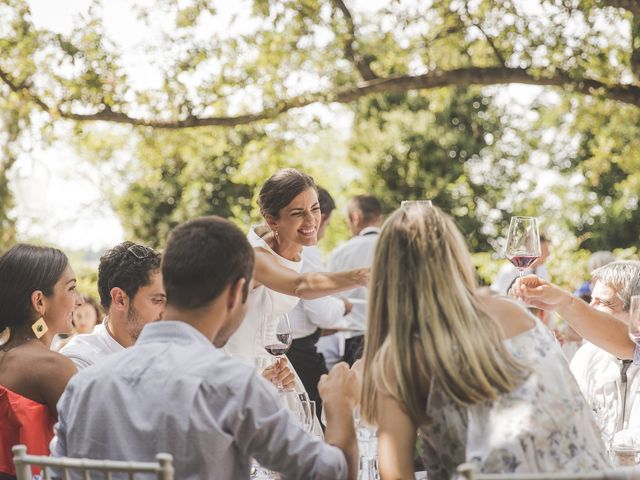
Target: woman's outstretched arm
(269, 272)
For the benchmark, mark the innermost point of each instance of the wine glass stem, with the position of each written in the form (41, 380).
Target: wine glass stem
(279, 385)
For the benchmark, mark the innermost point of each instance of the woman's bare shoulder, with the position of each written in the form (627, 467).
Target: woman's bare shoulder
(58, 362)
(46, 365)
(512, 317)
(33, 371)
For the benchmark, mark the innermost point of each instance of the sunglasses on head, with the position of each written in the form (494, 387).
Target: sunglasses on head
(141, 252)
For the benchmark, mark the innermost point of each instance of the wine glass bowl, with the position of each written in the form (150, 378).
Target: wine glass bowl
(523, 242)
(415, 203)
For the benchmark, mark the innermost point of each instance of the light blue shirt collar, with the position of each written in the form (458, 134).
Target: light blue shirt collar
(172, 331)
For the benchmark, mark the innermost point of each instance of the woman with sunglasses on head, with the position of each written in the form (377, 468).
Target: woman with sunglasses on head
(476, 377)
(37, 299)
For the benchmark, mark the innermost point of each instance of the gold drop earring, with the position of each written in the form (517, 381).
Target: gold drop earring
(275, 234)
(39, 327)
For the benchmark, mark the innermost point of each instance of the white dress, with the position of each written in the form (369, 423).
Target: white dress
(265, 305)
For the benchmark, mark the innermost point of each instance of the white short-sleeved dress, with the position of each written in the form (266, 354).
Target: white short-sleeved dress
(265, 305)
(543, 425)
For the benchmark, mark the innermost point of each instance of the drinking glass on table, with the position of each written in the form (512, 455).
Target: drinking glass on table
(523, 242)
(276, 337)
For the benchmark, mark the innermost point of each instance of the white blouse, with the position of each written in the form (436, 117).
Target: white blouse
(264, 304)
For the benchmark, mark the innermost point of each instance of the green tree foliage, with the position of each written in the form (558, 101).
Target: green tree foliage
(288, 54)
(608, 156)
(424, 146)
(181, 175)
(231, 103)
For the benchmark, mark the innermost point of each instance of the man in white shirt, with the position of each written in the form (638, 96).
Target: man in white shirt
(175, 391)
(132, 294)
(310, 316)
(364, 217)
(611, 385)
(508, 272)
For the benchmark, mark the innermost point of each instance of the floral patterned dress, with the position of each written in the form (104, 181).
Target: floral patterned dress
(543, 425)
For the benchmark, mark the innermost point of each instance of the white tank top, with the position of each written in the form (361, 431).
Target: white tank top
(264, 305)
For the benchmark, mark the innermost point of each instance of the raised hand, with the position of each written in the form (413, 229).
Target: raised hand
(340, 386)
(539, 293)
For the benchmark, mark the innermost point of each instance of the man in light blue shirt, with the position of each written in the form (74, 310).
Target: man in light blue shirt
(175, 392)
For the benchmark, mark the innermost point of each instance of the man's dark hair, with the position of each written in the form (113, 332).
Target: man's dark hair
(201, 258)
(280, 190)
(23, 270)
(127, 266)
(327, 205)
(369, 207)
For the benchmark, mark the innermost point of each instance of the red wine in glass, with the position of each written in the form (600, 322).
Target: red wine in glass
(522, 262)
(277, 349)
(523, 242)
(276, 337)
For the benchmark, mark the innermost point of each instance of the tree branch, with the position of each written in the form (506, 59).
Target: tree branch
(363, 66)
(629, 94)
(489, 40)
(23, 89)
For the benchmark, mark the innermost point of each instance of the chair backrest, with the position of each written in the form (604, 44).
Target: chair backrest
(62, 467)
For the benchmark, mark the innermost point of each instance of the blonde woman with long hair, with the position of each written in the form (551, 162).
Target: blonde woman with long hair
(475, 377)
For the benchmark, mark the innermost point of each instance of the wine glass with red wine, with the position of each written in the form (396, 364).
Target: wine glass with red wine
(276, 337)
(523, 242)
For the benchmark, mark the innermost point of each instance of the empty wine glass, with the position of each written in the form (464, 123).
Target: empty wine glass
(416, 203)
(276, 337)
(523, 242)
(634, 319)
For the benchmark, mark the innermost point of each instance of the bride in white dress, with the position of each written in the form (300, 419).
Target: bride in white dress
(289, 204)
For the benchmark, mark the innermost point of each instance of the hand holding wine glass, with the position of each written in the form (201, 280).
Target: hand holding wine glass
(276, 337)
(523, 242)
(280, 373)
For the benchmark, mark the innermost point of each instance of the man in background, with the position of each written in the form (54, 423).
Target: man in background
(609, 384)
(364, 217)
